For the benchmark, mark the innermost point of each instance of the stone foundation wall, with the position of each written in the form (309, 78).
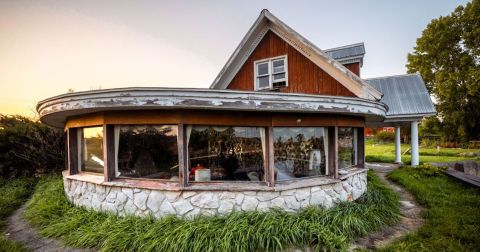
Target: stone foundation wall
(142, 202)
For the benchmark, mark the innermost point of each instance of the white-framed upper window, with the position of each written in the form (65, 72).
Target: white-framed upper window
(271, 73)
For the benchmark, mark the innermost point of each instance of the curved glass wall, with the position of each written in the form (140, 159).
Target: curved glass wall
(226, 153)
(299, 152)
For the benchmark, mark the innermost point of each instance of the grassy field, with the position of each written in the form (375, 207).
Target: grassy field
(12, 194)
(376, 152)
(452, 218)
(319, 228)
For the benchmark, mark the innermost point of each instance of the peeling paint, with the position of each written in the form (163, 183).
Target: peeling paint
(54, 111)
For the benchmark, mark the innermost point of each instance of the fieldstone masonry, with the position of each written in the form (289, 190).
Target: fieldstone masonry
(143, 202)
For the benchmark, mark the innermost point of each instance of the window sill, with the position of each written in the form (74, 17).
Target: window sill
(210, 186)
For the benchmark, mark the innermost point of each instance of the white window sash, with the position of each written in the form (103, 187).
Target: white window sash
(271, 72)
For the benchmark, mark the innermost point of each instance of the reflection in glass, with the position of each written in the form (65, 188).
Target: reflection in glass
(147, 151)
(226, 153)
(346, 152)
(92, 149)
(299, 152)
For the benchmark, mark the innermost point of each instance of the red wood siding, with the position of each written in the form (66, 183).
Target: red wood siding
(303, 75)
(354, 67)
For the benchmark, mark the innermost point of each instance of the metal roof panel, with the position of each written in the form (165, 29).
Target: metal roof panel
(404, 95)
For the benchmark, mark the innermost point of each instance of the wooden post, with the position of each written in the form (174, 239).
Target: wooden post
(109, 152)
(360, 147)
(333, 151)
(73, 151)
(66, 155)
(183, 161)
(269, 160)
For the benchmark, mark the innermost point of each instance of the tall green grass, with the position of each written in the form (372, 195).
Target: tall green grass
(452, 212)
(12, 195)
(315, 227)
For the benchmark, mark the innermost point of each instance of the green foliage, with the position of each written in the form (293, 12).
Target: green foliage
(447, 55)
(314, 227)
(10, 246)
(12, 194)
(385, 153)
(385, 136)
(28, 147)
(452, 218)
(427, 170)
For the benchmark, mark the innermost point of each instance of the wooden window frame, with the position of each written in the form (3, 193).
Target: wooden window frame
(328, 171)
(115, 147)
(270, 74)
(80, 145)
(267, 170)
(265, 120)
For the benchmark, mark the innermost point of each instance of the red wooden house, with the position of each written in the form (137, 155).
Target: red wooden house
(282, 125)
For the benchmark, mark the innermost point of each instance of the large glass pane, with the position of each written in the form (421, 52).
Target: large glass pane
(92, 149)
(262, 68)
(148, 151)
(346, 152)
(226, 153)
(299, 152)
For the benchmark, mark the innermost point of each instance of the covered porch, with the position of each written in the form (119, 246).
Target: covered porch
(408, 103)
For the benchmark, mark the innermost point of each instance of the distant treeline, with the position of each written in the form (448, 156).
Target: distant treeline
(29, 148)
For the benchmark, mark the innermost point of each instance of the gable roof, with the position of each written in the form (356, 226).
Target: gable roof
(268, 22)
(405, 95)
(348, 54)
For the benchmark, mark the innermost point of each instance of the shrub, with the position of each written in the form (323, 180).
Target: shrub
(29, 147)
(384, 136)
(427, 170)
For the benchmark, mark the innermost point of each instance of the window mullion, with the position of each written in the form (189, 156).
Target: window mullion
(270, 72)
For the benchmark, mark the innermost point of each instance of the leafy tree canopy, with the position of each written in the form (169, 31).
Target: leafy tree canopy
(447, 55)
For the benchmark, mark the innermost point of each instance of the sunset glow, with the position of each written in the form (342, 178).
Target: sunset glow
(50, 47)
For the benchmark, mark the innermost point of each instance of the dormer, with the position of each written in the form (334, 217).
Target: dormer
(351, 56)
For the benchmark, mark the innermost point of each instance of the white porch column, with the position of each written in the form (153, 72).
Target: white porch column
(398, 150)
(415, 158)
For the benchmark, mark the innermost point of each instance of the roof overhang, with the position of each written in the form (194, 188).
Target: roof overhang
(398, 120)
(268, 22)
(55, 111)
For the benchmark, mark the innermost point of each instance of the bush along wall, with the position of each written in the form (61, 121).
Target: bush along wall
(29, 148)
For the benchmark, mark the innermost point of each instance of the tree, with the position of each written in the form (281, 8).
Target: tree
(447, 56)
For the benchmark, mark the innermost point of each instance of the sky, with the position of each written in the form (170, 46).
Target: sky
(50, 47)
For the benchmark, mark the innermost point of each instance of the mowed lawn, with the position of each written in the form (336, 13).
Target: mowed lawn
(452, 212)
(377, 152)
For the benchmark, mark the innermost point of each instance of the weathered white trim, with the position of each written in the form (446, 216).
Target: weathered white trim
(54, 111)
(350, 80)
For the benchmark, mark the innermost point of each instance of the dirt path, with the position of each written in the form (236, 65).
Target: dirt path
(19, 230)
(410, 210)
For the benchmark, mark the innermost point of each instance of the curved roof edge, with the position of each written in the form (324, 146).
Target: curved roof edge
(54, 111)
